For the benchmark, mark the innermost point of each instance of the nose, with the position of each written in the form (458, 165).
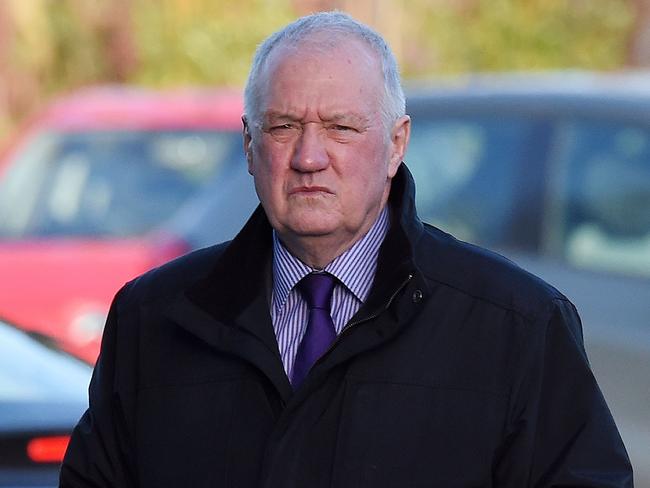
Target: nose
(310, 153)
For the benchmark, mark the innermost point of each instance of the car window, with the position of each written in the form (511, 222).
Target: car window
(469, 177)
(116, 184)
(30, 370)
(599, 202)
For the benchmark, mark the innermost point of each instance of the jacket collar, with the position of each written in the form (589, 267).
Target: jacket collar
(235, 279)
(229, 306)
(397, 255)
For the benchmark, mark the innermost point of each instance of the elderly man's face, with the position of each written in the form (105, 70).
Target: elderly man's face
(323, 159)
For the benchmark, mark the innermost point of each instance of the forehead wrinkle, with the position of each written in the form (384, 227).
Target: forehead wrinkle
(315, 49)
(279, 114)
(345, 116)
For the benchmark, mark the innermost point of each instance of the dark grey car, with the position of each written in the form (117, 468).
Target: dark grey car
(42, 396)
(556, 176)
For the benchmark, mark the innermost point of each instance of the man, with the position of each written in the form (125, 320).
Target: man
(338, 341)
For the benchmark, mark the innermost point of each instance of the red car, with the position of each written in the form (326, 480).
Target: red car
(102, 186)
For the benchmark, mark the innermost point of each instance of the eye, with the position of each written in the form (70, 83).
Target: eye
(342, 128)
(281, 128)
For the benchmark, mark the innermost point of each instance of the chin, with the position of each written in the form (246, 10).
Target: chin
(312, 227)
(312, 222)
(312, 230)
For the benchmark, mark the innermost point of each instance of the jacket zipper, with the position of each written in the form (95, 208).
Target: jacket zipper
(366, 319)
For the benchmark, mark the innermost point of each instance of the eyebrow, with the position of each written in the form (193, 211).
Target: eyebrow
(336, 117)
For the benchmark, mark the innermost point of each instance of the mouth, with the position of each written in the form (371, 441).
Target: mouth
(310, 190)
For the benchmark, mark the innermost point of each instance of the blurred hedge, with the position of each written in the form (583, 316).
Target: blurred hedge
(495, 35)
(50, 46)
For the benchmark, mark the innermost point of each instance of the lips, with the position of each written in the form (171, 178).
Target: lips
(306, 190)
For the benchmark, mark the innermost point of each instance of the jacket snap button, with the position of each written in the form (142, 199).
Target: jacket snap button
(417, 296)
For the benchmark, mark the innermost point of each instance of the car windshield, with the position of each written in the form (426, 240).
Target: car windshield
(574, 188)
(108, 184)
(602, 183)
(467, 171)
(33, 371)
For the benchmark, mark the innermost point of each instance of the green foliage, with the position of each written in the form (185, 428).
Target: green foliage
(202, 42)
(75, 49)
(58, 45)
(496, 35)
(212, 42)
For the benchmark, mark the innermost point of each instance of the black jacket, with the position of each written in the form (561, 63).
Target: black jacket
(461, 370)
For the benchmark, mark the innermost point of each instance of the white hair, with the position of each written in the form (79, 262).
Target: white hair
(336, 25)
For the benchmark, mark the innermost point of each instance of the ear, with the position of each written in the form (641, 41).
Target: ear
(399, 140)
(248, 142)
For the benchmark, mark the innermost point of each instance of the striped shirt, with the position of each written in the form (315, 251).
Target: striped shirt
(355, 270)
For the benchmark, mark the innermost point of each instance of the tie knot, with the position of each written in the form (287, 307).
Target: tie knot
(316, 290)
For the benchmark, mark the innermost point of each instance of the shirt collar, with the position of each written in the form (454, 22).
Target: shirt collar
(355, 268)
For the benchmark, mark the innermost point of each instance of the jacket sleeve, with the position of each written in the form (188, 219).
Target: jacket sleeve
(562, 433)
(100, 450)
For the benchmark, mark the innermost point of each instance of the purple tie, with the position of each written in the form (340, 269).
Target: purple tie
(316, 290)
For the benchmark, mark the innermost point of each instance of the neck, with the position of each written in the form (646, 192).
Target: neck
(316, 251)
(319, 251)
